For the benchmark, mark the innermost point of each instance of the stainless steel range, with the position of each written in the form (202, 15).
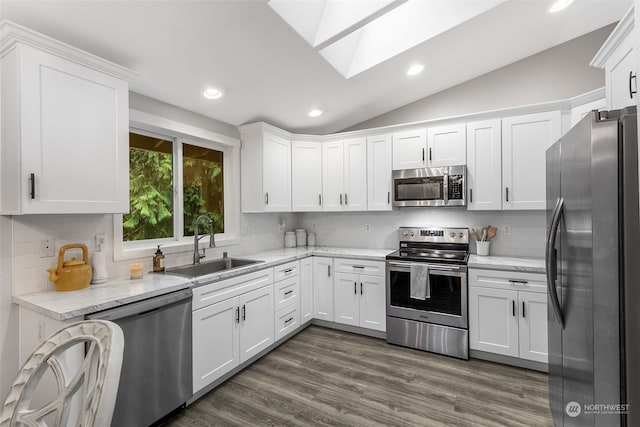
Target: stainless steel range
(427, 290)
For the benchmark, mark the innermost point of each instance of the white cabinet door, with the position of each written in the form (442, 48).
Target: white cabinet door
(276, 173)
(256, 311)
(525, 140)
(409, 149)
(533, 326)
(484, 165)
(332, 176)
(446, 146)
(372, 302)
(323, 288)
(346, 299)
(306, 290)
(215, 342)
(379, 165)
(493, 320)
(68, 136)
(355, 174)
(306, 176)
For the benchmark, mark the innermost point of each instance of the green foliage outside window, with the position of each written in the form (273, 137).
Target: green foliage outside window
(151, 213)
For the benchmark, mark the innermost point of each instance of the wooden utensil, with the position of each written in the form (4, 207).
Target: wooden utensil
(475, 234)
(491, 232)
(484, 234)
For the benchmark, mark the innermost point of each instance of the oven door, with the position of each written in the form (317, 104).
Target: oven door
(445, 301)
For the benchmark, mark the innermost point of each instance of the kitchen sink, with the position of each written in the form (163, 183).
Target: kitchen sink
(215, 266)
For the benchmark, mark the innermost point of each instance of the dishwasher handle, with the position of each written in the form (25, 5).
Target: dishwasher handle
(144, 306)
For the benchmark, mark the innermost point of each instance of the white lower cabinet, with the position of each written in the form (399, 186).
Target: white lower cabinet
(359, 300)
(508, 314)
(306, 290)
(231, 324)
(323, 288)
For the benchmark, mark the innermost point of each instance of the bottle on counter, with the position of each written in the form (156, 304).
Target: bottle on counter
(158, 261)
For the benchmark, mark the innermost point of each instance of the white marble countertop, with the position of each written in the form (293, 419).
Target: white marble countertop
(525, 265)
(120, 291)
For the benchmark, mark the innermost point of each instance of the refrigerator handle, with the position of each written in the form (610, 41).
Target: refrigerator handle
(551, 260)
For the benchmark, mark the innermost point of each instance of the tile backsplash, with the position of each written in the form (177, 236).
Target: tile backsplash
(259, 232)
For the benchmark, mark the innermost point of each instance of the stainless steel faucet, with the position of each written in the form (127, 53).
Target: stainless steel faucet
(212, 239)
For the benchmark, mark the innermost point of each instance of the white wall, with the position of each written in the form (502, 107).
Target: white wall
(561, 72)
(526, 238)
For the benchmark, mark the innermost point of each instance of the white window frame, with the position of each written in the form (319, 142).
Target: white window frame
(180, 133)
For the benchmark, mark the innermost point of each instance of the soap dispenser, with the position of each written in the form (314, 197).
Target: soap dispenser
(158, 261)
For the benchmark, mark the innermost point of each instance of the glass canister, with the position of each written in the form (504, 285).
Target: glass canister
(301, 237)
(289, 239)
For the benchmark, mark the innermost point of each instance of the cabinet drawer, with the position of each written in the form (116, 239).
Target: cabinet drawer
(532, 282)
(218, 291)
(287, 292)
(287, 270)
(286, 320)
(356, 266)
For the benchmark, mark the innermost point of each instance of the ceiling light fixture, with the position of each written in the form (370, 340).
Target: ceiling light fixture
(315, 112)
(213, 93)
(415, 69)
(559, 5)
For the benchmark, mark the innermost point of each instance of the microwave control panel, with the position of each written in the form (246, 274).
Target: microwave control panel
(456, 187)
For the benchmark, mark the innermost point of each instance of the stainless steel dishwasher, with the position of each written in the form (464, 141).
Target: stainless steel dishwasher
(156, 373)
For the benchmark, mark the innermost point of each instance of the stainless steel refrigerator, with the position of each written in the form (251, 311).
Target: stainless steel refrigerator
(593, 272)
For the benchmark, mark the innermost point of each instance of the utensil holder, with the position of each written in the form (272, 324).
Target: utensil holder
(483, 248)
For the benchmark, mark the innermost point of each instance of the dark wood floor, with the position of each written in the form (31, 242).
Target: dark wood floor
(332, 378)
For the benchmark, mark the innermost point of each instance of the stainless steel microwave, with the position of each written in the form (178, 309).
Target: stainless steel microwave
(444, 186)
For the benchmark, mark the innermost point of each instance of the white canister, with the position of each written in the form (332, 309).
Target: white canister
(311, 239)
(289, 239)
(301, 237)
(483, 248)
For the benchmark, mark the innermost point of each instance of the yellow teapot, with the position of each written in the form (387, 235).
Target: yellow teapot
(74, 273)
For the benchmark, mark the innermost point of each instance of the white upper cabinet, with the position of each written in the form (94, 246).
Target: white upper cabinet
(618, 58)
(344, 175)
(525, 140)
(65, 128)
(266, 169)
(332, 176)
(484, 165)
(447, 146)
(409, 149)
(355, 174)
(379, 165)
(306, 176)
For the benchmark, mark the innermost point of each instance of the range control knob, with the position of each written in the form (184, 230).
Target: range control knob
(405, 233)
(413, 233)
(452, 234)
(461, 235)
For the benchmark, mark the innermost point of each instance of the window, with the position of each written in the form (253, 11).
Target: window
(155, 164)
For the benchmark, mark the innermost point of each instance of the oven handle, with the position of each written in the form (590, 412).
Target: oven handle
(431, 266)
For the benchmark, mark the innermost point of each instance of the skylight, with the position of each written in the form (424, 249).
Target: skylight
(354, 36)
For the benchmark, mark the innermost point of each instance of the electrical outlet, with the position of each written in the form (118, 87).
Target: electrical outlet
(101, 241)
(47, 248)
(507, 230)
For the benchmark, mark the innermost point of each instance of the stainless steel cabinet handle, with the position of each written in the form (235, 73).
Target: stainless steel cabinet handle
(519, 282)
(340, 198)
(507, 193)
(320, 199)
(423, 154)
(32, 182)
(388, 197)
(288, 293)
(237, 314)
(513, 307)
(244, 312)
(523, 309)
(429, 153)
(266, 198)
(346, 201)
(355, 288)
(328, 271)
(361, 291)
(632, 77)
(288, 270)
(470, 195)
(358, 266)
(288, 320)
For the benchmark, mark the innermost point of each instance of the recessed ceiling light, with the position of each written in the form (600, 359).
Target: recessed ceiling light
(213, 93)
(559, 5)
(415, 69)
(315, 112)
